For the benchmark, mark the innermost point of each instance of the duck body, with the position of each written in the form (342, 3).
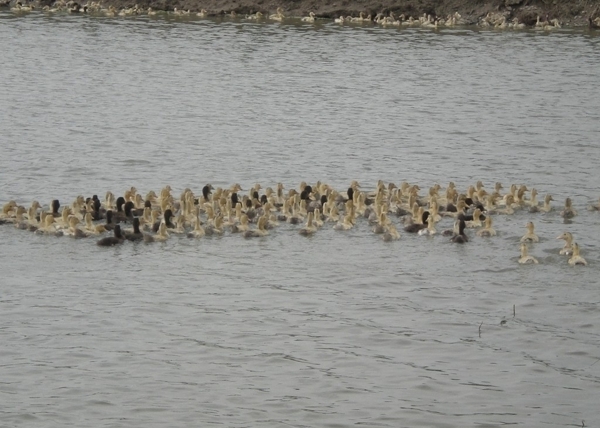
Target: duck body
(109, 241)
(525, 258)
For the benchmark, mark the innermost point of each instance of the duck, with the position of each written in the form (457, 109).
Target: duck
(112, 240)
(309, 18)
(136, 234)
(73, 231)
(198, 231)
(94, 229)
(594, 207)
(530, 236)
(347, 222)
(416, 227)
(576, 259)
(544, 208)
(568, 248)
(459, 237)
(242, 226)
(525, 258)
(430, 229)
(487, 230)
(167, 216)
(568, 212)
(202, 14)
(279, 16)
(259, 231)
(391, 233)
(309, 228)
(161, 236)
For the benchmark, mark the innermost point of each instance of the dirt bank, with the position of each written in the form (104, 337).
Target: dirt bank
(574, 13)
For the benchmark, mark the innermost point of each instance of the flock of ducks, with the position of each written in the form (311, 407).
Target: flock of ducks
(491, 20)
(155, 218)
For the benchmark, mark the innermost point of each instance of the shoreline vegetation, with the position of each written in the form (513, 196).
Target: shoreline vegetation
(546, 15)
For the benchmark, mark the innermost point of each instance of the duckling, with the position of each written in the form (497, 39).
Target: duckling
(576, 258)
(309, 228)
(198, 231)
(487, 230)
(112, 240)
(568, 248)
(161, 236)
(259, 231)
(73, 231)
(279, 16)
(460, 237)
(347, 222)
(91, 227)
(530, 236)
(391, 233)
(525, 258)
(309, 18)
(416, 227)
(545, 208)
(595, 207)
(568, 212)
(430, 229)
(202, 14)
(242, 226)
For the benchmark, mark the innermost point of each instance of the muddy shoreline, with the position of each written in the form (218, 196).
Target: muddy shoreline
(472, 12)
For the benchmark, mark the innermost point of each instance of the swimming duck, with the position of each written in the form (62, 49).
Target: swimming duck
(259, 231)
(525, 258)
(545, 208)
(136, 234)
(309, 228)
(167, 216)
(112, 240)
(391, 233)
(430, 229)
(203, 13)
(568, 238)
(198, 231)
(487, 230)
(73, 230)
(309, 18)
(530, 236)
(576, 258)
(242, 226)
(161, 236)
(91, 227)
(460, 237)
(568, 212)
(279, 16)
(347, 222)
(416, 227)
(594, 207)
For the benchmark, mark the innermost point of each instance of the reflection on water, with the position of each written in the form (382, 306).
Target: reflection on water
(335, 330)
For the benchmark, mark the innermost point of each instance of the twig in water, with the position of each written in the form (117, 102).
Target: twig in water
(514, 311)
(480, 328)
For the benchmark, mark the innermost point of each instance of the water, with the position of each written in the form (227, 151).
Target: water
(336, 330)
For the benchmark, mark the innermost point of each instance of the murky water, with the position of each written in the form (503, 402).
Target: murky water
(337, 330)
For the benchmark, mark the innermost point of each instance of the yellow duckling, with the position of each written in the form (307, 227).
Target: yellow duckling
(73, 230)
(260, 230)
(595, 207)
(391, 233)
(568, 212)
(198, 231)
(91, 227)
(530, 236)
(525, 258)
(487, 230)
(544, 208)
(309, 18)
(568, 248)
(576, 259)
(161, 236)
(242, 226)
(347, 222)
(309, 228)
(279, 16)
